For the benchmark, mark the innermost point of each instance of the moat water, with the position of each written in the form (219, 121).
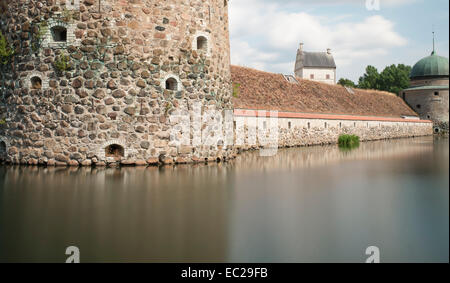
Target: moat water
(316, 204)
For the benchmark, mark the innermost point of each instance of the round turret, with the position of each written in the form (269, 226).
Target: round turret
(428, 93)
(99, 82)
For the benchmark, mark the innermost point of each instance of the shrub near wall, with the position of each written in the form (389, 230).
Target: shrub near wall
(348, 141)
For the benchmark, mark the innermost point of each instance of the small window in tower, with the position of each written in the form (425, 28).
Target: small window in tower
(436, 93)
(289, 125)
(418, 106)
(36, 83)
(328, 77)
(171, 84)
(202, 43)
(312, 76)
(59, 34)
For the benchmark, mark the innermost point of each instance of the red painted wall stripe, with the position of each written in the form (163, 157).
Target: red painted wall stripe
(294, 115)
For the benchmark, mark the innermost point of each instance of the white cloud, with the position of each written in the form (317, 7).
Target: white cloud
(265, 35)
(387, 3)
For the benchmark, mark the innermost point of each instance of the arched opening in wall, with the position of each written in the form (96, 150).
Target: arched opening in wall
(36, 83)
(59, 34)
(418, 106)
(202, 43)
(428, 117)
(2, 151)
(436, 93)
(309, 125)
(114, 150)
(437, 130)
(171, 84)
(289, 125)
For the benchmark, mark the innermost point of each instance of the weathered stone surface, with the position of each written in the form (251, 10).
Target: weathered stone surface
(116, 91)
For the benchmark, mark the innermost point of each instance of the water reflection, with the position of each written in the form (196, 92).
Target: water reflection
(304, 204)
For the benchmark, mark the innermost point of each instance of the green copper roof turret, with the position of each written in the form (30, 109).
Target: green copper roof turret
(431, 66)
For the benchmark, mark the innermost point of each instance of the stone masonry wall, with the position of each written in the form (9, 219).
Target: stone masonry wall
(132, 64)
(305, 132)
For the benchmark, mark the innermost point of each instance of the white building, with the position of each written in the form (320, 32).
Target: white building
(315, 66)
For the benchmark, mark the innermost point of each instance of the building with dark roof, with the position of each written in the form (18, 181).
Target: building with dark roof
(315, 66)
(428, 92)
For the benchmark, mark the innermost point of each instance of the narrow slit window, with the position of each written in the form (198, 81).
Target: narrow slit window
(202, 43)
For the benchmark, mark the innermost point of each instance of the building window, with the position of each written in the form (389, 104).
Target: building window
(404, 96)
(309, 125)
(326, 125)
(418, 106)
(171, 84)
(265, 125)
(202, 43)
(36, 83)
(436, 93)
(311, 76)
(289, 125)
(328, 77)
(59, 34)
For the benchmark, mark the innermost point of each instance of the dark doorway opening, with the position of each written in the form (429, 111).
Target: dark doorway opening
(116, 151)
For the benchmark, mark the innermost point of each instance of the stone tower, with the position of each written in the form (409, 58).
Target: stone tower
(428, 93)
(99, 81)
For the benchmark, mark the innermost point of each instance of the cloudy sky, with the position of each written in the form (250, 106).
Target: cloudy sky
(265, 34)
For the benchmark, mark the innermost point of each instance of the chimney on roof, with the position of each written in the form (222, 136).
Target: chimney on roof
(301, 47)
(328, 51)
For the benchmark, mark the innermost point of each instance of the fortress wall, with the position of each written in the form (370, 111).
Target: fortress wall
(114, 89)
(294, 131)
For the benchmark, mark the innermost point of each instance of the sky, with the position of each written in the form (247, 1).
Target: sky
(265, 34)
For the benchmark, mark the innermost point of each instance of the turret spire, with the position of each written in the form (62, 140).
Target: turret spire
(434, 45)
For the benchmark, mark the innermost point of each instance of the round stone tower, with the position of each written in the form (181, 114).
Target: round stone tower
(95, 82)
(429, 90)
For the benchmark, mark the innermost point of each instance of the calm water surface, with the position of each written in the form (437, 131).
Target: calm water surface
(315, 204)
